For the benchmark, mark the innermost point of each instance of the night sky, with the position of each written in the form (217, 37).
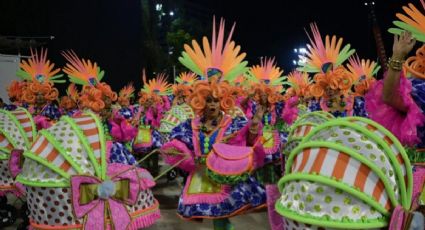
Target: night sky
(109, 31)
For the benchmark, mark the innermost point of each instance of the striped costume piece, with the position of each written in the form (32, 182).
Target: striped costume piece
(17, 132)
(302, 127)
(344, 173)
(74, 150)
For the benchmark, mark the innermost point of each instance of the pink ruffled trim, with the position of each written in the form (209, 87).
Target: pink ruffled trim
(14, 162)
(145, 220)
(121, 130)
(188, 164)
(209, 198)
(402, 125)
(290, 111)
(41, 122)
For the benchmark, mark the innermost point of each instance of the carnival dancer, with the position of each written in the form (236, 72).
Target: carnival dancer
(98, 97)
(39, 91)
(266, 86)
(153, 103)
(332, 81)
(208, 193)
(297, 97)
(363, 72)
(398, 101)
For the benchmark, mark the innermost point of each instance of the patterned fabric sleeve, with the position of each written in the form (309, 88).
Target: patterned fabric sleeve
(183, 133)
(237, 124)
(418, 95)
(359, 107)
(127, 113)
(52, 112)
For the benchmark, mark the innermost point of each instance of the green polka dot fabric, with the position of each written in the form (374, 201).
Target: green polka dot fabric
(63, 154)
(318, 200)
(34, 172)
(72, 145)
(11, 128)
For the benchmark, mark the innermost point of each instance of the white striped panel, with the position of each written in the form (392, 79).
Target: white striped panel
(21, 116)
(59, 160)
(299, 159)
(37, 143)
(82, 118)
(88, 126)
(371, 182)
(26, 124)
(351, 171)
(93, 138)
(45, 152)
(311, 159)
(384, 198)
(329, 163)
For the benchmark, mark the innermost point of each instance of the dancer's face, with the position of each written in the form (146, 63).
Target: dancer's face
(39, 99)
(212, 109)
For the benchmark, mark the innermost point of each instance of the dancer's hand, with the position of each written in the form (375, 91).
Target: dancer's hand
(403, 44)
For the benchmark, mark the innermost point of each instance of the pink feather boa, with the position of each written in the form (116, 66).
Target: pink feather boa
(121, 129)
(402, 125)
(42, 122)
(290, 111)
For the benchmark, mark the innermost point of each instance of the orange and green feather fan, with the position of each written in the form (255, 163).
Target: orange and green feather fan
(267, 73)
(158, 85)
(362, 68)
(187, 78)
(80, 71)
(322, 57)
(38, 68)
(413, 21)
(222, 55)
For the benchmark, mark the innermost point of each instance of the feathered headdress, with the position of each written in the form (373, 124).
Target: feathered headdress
(362, 69)
(39, 69)
(267, 73)
(80, 71)
(184, 84)
(221, 59)
(362, 72)
(413, 22)
(127, 91)
(299, 84)
(324, 57)
(158, 86)
(186, 78)
(95, 95)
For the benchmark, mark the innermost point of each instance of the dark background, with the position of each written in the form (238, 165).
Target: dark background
(125, 36)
